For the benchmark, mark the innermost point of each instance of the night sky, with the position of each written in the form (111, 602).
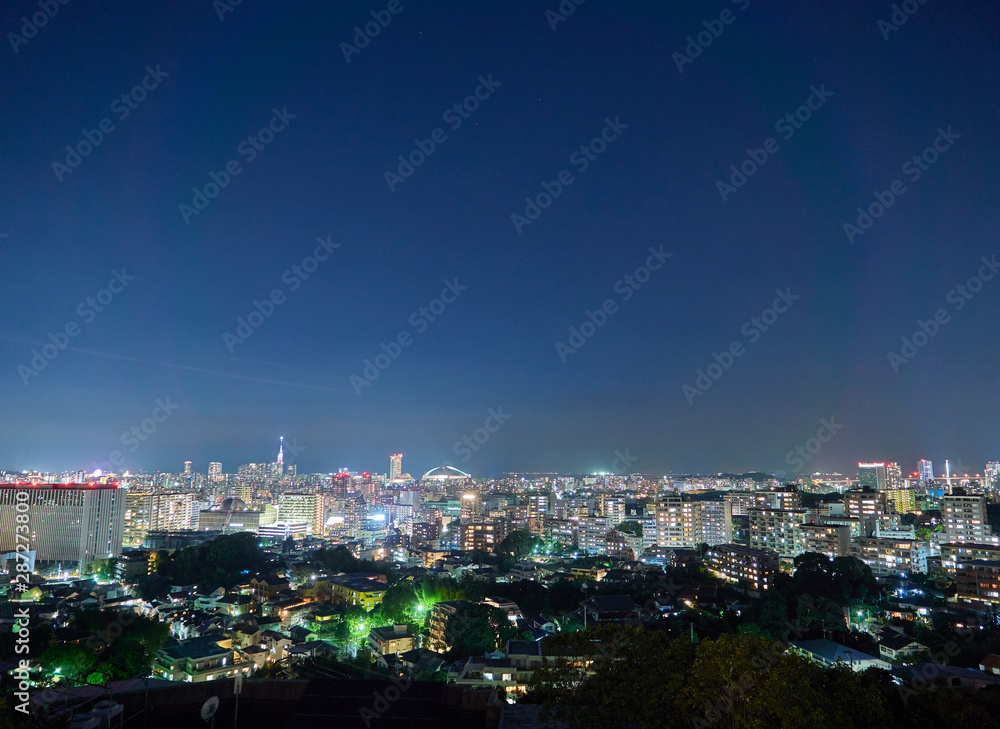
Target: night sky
(726, 245)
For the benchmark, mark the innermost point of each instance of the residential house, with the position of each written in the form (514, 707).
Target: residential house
(264, 587)
(898, 647)
(610, 608)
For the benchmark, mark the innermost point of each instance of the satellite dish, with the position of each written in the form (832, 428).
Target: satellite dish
(209, 708)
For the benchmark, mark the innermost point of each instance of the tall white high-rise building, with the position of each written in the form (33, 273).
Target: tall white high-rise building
(214, 471)
(66, 522)
(308, 508)
(716, 522)
(678, 522)
(172, 511)
(396, 466)
(964, 519)
(138, 515)
(925, 471)
(991, 476)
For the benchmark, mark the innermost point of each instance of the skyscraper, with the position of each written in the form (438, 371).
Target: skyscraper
(964, 519)
(991, 476)
(67, 522)
(138, 515)
(894, 475)
(396, 466)
(308, 508)
(925, 470)
(214, 471)
(187, 468)
(872, 476)
(172, 511)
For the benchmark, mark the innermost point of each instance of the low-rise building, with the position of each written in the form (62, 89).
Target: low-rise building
(391, 640)
(753, 569)
(264, 587)
(829, 654)
(363, 591)
(198, 660)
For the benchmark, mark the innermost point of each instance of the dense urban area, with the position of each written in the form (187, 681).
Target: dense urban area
(590, 600)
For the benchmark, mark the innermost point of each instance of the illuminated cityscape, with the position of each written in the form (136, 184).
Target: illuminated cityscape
(557, 364)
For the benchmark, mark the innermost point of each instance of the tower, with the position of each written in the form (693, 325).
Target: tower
(991, 476)
(279, 465)
(925, 470)
(396, 466)
(872, 476)
(187, 468)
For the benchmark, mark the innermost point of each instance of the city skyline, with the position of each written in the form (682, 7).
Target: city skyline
(215, 469)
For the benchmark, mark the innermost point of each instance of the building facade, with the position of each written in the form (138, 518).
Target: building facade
(753, 569)
(66, 522)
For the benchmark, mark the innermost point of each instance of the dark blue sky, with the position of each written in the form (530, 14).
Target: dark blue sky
(655, 185)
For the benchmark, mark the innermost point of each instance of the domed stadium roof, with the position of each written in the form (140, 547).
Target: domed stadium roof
(233, 504)
(445, 473)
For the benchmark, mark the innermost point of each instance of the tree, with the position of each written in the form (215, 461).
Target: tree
(475, 629)
(399, 604)
(518, 544)
(630, 527)
(730, 682)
